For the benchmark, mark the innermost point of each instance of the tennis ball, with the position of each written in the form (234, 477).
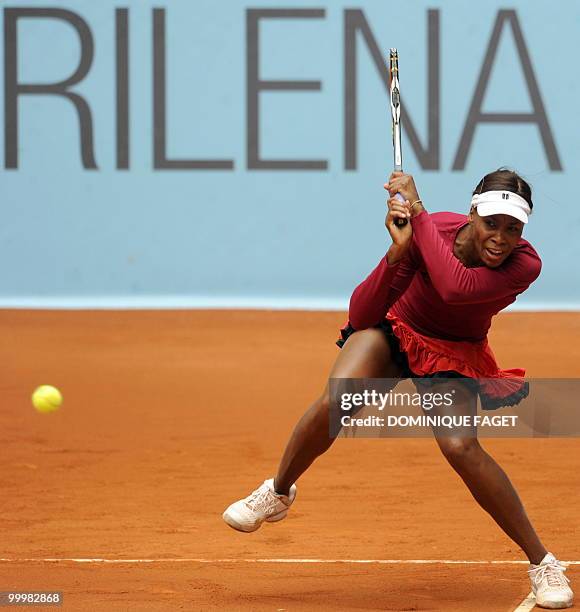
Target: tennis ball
(46, 399)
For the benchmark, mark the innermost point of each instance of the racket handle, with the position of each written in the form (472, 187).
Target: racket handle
(400, 222)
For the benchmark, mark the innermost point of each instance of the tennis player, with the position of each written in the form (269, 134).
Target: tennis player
(424, 312)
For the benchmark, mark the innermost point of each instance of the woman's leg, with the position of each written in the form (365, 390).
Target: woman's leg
(486, 480)
(366, 354)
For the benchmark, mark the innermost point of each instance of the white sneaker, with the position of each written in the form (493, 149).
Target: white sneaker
(549, 584)
(264, 504)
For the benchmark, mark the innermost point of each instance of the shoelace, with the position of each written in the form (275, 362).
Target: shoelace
(261, 499)
(553, 572)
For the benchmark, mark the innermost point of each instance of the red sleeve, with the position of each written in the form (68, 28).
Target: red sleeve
(379, 291)
(457, 284)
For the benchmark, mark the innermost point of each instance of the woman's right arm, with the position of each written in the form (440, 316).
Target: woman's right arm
(371, 300)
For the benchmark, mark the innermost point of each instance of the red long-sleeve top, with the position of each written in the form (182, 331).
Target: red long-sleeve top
(433, 292)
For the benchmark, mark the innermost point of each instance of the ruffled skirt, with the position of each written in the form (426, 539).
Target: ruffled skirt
(421, 356)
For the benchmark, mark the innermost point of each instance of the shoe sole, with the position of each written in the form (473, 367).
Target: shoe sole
(555, 605)
(251, 528)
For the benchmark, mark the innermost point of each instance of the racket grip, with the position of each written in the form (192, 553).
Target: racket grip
(400, 222)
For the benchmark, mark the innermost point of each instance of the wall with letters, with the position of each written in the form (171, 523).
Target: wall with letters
(177, 153)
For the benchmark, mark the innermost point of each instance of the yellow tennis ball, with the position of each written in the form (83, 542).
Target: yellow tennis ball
(47, 399)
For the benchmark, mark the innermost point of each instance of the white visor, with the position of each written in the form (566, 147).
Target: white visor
(501, 203)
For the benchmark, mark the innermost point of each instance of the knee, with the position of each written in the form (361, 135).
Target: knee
(323, 403)
(319, 412)
(460, 452)
(328, 407)
(324, 413)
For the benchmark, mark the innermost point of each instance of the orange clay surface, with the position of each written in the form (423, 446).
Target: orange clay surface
(170, 416)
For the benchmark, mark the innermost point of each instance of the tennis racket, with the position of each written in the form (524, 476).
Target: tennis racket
(395, 99)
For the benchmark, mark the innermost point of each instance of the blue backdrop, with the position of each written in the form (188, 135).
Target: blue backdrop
(210, 153)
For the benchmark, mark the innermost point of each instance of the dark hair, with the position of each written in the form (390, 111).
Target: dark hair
(504, 179)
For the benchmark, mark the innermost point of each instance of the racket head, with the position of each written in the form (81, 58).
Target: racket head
(395, 102)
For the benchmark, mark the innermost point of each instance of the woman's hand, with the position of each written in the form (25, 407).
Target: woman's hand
(401, 236)
(402, 183)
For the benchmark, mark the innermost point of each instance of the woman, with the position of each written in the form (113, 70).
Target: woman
(424, 312)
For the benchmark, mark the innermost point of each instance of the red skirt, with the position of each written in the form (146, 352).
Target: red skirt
(427, 357)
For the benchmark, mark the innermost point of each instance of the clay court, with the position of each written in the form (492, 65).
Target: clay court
(116, 499)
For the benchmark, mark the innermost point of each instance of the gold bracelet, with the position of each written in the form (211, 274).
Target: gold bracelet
(416, 202)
